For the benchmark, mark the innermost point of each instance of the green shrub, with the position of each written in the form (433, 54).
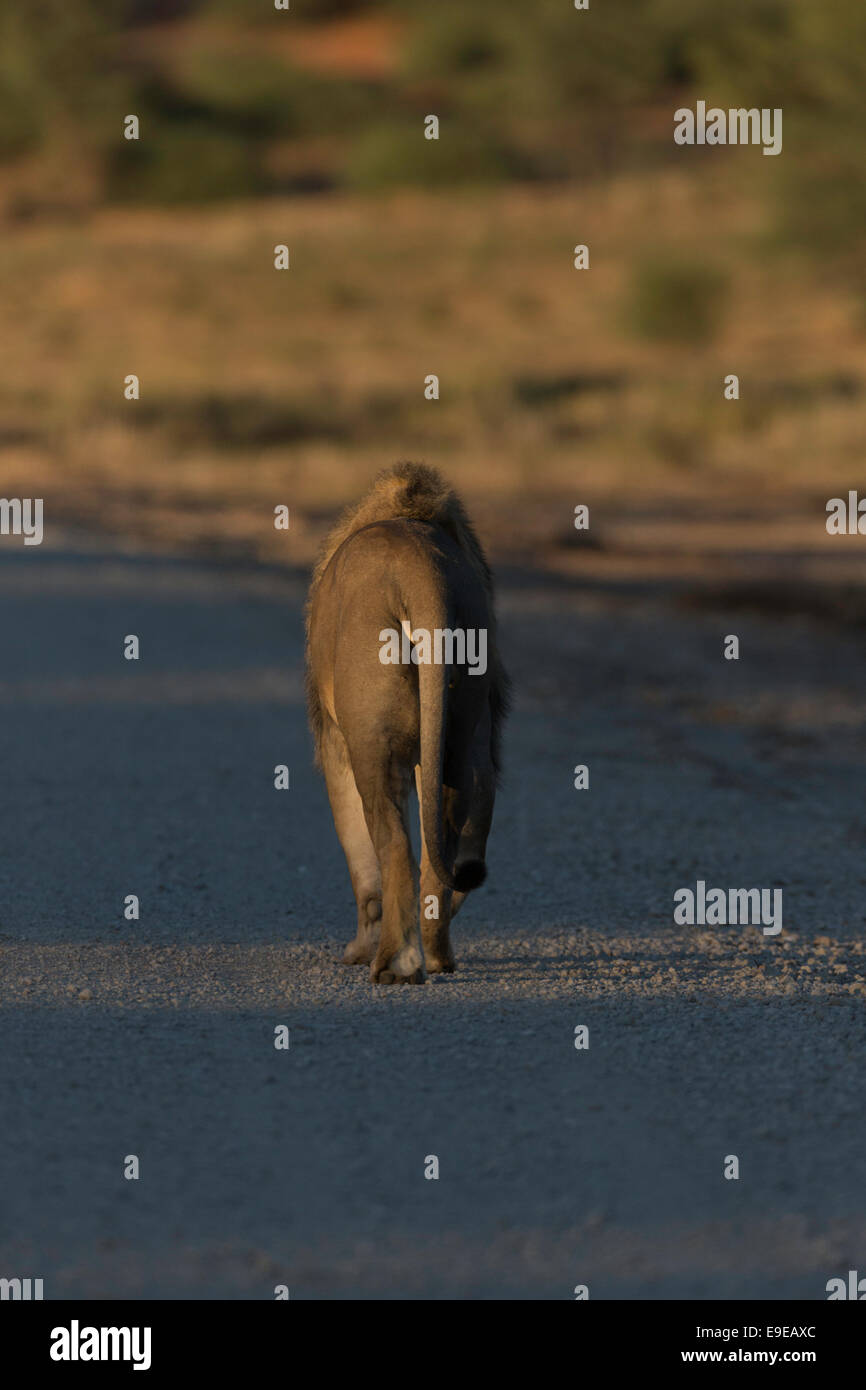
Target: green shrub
(184, 164)
(397, 153)
(251, 92)
(675, 300)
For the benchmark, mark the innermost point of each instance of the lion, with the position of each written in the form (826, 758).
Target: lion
(402, 564)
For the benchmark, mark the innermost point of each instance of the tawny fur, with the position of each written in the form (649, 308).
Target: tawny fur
(405, 552)
(415, 491)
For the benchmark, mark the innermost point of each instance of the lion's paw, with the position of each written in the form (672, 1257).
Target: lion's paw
(405, 967)
(440, 967)
(359, 952)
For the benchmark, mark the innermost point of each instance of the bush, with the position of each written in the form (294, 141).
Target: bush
(392, 154)
(183, 164)
(55, 77)
(676, 301)
(251, 92)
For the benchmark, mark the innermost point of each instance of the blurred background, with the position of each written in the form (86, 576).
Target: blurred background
(455, 257)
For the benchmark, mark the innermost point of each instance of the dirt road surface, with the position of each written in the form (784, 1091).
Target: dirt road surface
(305, 1167)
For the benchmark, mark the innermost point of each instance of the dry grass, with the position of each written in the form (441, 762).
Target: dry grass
(261, 387)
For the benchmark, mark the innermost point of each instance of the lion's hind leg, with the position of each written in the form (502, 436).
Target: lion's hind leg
(383, 784)
(436, 910)
(349, 819)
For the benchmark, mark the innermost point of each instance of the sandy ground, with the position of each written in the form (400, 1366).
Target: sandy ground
(306, 1167)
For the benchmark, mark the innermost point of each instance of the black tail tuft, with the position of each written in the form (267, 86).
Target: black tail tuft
(469, 875)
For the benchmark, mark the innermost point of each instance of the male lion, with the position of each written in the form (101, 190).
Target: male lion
(405, 559)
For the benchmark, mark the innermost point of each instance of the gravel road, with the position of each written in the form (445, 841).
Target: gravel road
(305, 1167)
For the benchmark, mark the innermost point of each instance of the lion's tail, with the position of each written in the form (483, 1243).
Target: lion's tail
(432, 686)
